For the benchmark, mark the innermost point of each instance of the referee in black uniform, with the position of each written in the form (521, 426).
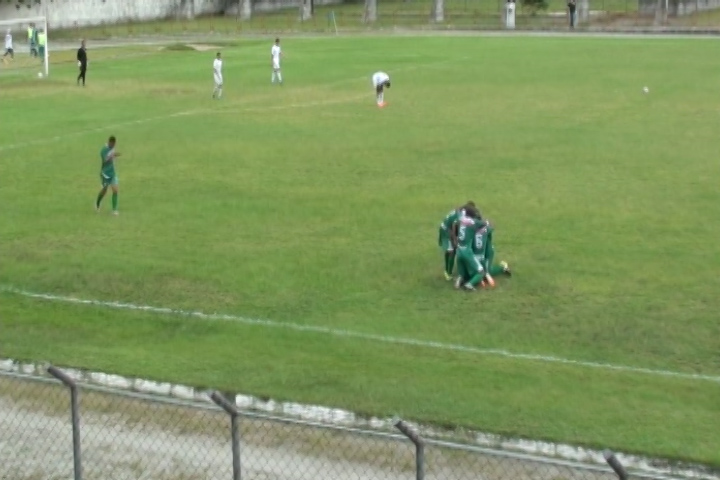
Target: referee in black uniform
(82, 62)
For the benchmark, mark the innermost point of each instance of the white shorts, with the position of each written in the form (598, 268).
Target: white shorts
(276, 65)
(218, 81)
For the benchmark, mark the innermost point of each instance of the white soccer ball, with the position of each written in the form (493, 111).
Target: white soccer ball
(646, 90)
(40, 75)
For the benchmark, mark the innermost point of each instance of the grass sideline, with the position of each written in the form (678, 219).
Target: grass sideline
(307, 204)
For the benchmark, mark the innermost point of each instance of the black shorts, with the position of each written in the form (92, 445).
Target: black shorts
(9, 51)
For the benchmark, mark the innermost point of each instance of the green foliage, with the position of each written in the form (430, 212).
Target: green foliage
(535, 6)
(307, 204)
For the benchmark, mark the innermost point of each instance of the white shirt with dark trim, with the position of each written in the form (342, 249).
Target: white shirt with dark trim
(380, 78)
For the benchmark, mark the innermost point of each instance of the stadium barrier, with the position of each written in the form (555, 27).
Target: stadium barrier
(53, 426)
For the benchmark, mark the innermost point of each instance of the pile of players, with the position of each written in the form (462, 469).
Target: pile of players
(467, 240)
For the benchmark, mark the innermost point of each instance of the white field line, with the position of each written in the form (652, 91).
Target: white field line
(140, 121)
(370, 337)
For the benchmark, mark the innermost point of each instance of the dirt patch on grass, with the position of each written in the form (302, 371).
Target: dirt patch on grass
(201, 47)
(190, 47)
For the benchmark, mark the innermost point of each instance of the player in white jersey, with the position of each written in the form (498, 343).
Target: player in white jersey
(217, 73)
(380, 80)
(275, 54)
(9, 52)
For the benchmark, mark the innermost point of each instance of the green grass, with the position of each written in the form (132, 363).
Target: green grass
(307, 204)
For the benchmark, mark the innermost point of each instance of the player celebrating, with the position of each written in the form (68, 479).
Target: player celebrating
(8, 46)
(217, 73)
(380, 80)
(447, 235)
(470, 270)
(486, 253)
(108, 178)
(275, 54)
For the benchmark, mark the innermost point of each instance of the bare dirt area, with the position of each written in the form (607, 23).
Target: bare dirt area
(127, 438)
(131, 437)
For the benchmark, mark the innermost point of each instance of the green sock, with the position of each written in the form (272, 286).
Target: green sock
(100, 196)
(449, 262)
(495, 270)
(475, 281)
(114, 201)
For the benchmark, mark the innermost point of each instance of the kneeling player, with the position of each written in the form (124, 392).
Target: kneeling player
(484, 252)
(380, 80)
(470, 270)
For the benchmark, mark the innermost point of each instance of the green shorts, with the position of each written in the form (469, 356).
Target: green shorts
(444, 241)
(468, 265)
(108, 179)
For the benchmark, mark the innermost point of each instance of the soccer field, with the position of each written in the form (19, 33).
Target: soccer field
(309, 208)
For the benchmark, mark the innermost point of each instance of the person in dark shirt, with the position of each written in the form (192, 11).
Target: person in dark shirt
(571, 10)
(82, 62)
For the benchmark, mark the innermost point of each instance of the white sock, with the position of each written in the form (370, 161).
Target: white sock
(279, 76)
(219, 92)
(381, 96)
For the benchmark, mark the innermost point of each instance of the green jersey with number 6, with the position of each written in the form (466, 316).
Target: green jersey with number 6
(483, 237)
(468, 228)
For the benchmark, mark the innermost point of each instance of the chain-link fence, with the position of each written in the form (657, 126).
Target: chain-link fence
(56, 428)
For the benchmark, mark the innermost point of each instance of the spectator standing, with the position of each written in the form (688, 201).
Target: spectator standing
(571, 12)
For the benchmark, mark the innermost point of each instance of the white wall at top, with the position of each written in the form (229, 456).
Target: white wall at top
(70, 13)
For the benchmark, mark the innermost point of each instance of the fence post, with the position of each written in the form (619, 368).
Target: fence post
(231, 410)
(74, 416)
(419, 447)
(615, 464)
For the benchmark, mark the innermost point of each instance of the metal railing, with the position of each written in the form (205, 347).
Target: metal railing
(54, 427)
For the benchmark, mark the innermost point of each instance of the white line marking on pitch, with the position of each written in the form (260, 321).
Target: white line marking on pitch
(57, 138)
(363, 336)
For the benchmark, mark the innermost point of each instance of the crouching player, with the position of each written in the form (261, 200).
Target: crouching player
(483, 252)
(447, 235)
(380, 81)
(470, 270)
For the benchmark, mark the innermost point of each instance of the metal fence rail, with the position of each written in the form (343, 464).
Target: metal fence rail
(57, 428)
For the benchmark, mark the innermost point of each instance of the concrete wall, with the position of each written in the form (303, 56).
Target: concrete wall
(72, 13)
(69, 13)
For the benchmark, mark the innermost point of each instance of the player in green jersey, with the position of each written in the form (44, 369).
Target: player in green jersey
(108, 177)
(488, 254)
(447, 236)
(470, 270)
(484, 252)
